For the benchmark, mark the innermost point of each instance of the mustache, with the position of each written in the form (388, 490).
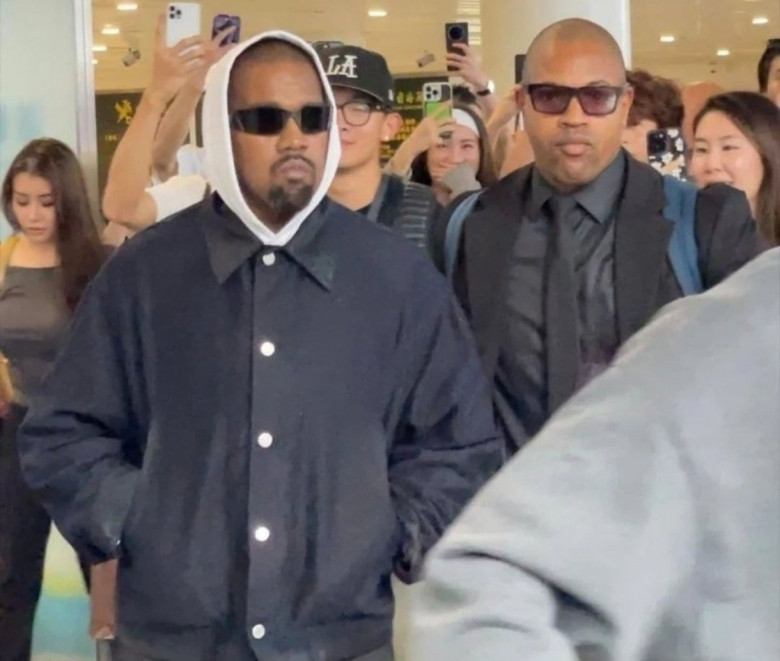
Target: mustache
(573, 138)
(291, 157)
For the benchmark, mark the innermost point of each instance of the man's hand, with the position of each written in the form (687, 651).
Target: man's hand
(467, 65)
(172, 65)
(212, 53)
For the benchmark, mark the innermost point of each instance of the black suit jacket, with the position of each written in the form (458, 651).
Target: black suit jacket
(726, 234)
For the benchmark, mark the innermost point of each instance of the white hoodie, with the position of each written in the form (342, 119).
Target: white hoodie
(219, 150)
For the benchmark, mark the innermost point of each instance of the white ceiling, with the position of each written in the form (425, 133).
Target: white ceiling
(700, 27)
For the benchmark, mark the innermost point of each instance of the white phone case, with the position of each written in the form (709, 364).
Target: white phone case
(182, 22)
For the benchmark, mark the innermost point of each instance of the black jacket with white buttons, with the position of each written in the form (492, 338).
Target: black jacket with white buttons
(262, 439)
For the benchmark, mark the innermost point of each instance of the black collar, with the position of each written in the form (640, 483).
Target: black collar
(598, 197)
(230, 243)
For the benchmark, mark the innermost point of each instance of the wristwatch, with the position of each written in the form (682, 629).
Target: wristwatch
(489, 89)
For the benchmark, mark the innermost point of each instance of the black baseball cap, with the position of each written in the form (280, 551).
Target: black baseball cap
(359, 69)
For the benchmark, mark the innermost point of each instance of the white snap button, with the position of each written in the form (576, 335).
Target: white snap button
(265, 440)
(269, 259)
(267, 349)
(258, 631)
(262, 534)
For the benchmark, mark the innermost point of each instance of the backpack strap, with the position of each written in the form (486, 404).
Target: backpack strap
(681, 198)
(455, 230)
(418, 207)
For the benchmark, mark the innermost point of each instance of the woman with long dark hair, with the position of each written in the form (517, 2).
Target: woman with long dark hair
(461, 161)
(44, 268)
(736, 141)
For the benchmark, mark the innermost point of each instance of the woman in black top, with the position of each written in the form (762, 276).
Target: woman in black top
(44, 267)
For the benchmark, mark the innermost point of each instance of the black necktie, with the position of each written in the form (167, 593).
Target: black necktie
(563, 349)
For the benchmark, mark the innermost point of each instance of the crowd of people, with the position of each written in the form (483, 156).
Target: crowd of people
(532, 367)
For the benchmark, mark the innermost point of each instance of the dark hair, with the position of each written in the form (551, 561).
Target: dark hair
(486, 175)
(656, 99)
(765, 63)
(759, 119)
(463, 96)
(78, 243)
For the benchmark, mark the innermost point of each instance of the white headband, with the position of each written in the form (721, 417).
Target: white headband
(462, 118)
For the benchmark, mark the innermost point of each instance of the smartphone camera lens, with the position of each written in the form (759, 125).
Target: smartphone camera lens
(656, 143)
(456, 33)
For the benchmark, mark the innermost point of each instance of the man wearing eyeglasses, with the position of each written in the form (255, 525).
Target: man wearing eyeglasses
(364, 93)
(562, 261)
(267, 405)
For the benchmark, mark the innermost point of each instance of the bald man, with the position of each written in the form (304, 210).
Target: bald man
(565, 259)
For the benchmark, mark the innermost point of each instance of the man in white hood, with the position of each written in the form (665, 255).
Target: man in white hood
(267, 405)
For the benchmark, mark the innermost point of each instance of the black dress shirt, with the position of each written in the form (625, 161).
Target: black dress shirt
(521, 376)
(262, 434)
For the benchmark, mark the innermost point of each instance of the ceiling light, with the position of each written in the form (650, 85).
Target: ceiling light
(723, 52)
(667, 39)
(127, 6)
(99, 48)
(760, 20)
(94, 61)
(110, 30)
(377, 13)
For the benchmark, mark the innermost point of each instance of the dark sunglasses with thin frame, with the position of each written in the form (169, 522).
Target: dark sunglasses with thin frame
(271, 120)
(595, 100)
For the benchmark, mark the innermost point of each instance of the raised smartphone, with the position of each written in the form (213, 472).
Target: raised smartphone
(455, 33)
(666, 152)
(435, 95)
(182, 21)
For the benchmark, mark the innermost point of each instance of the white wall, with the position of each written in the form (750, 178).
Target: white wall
(730, 73)
(39, 76)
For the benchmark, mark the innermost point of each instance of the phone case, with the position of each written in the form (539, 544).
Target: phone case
(434, 95)
(666, 152)
(182, 22)
(455, 33)
(223, 22)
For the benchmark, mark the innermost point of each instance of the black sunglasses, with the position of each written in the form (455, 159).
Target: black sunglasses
(595, 100)
(271, 120)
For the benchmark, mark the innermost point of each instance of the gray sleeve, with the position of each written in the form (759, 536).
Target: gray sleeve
(574, 545)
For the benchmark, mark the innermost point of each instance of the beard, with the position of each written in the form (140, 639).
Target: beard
(285, 202)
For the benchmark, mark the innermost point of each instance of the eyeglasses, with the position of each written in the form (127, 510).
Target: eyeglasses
(271, 120)
(596, 100)
(357, 113)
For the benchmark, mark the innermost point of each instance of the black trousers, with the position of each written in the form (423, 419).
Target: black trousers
(24, 530)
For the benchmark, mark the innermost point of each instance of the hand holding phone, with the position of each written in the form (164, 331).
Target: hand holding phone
(455, 33)
(173, 66)
(437, 103)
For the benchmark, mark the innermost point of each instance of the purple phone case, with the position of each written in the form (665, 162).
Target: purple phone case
(224, 21)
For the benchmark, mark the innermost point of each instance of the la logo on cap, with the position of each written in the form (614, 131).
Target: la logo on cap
(347, 67)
